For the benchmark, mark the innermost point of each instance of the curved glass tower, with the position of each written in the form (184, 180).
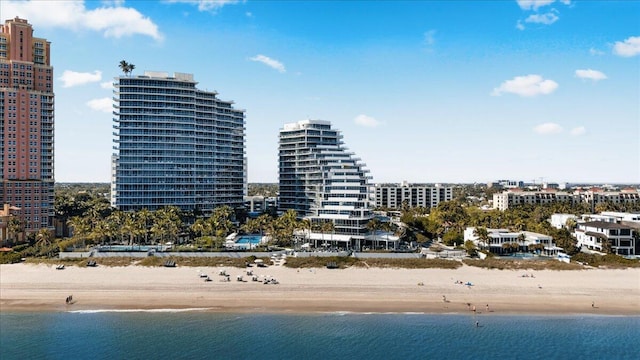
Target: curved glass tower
(175, 145)
(323, 181)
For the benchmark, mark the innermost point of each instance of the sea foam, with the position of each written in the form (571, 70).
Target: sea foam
(95, 311)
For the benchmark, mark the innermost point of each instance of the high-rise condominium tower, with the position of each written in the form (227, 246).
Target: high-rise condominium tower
(322, 181)
(175, 145)
(26, 122)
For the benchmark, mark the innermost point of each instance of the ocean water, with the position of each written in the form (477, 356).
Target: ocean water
(207, 335)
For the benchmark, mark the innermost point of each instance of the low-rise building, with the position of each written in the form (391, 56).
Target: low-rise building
(606, 236)
(260, 204)
(501, 241)
(592, 197)
(7, 232)
(559, 221)
(506, 184)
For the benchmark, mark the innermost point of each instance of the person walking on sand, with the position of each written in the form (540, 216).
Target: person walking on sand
(487, 307)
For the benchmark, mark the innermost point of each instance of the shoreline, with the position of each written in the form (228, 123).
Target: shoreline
(35, 288)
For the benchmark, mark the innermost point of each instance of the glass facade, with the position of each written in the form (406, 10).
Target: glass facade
(175, 146)
(321, 180)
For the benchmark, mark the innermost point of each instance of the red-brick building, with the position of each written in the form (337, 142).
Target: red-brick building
(26, 124)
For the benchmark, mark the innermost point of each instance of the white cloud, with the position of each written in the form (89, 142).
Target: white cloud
(111, 19)
(107, 85)
(547, 19)
(629, 47)
(578, 131)
(71, 78)
(594, 52)
(207, 5)
(528, 85)
(275, 64)
(594, 75)
(429, 37)
(102, 104)
(519, 25)
(366, 121)
(533, 4)
(548, 129)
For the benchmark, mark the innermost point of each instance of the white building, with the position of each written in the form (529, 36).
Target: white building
(559, 221)
(596, 235)
(505, 241)
(592, 197)
(260, 204)
(324, 182)
(396, 196)
(507, 184)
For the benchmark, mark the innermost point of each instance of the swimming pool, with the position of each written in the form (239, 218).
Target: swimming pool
(249, 239)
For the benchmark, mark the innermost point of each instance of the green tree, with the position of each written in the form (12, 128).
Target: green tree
(373, 226)
(328, 227)
(81, 227)
(483, 235)
(43, 241)
(453, 237)
(14, 228)
(126, 67)
(470, 248)
(167, 224)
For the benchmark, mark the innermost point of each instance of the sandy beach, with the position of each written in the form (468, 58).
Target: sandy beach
(25, 287)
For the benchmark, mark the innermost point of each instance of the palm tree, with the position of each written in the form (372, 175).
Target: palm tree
(43, 240)
(142, 225)
(129, 226)
(387, 227)
(328, 226)
(373, 226)
(521, 239)
(305, 225)
(14, 227)
(167, 224)
(126, 67)
(81, 227)
(482, 234)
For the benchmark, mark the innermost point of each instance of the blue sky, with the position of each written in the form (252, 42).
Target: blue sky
(423, 91)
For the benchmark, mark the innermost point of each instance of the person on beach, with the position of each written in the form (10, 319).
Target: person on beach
(487, 307)
(444, 298)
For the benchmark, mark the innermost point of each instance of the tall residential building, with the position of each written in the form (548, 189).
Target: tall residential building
(396, 196)
(26, 120)
(176, 145)
(322, 181)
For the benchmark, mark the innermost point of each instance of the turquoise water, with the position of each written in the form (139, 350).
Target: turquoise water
(249, 239)
(206, 335)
